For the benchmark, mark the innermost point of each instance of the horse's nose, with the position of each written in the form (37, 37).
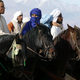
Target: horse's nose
(51, 50)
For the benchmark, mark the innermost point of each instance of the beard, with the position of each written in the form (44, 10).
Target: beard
(60, 22)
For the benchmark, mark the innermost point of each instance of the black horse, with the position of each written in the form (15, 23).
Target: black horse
(39, 46)
(39, 40)
(6, 45)
(7, 63)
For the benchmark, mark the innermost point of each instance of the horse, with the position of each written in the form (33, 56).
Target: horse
(9, 61)
(39, 46)
(66, 48)
(38, 43)
(65, 45)
(39, 40)
(73, 67)
(6, 42)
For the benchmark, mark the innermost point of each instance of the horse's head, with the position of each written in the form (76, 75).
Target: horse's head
(16, 49)
(71, 37)
(44, 41)
(39, 39)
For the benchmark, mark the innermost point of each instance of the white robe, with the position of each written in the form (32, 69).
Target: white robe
(17, 28)
(3, 26)
(55, 31)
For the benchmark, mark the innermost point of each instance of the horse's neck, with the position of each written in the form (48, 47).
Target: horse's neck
(64, 35)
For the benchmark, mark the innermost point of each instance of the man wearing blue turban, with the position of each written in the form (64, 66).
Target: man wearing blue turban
(35, 15)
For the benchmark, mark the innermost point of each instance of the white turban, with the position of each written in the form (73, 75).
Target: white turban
(55, 13)
(18, 13)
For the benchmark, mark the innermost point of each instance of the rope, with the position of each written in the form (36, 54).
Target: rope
(42, 58)
(3, 67)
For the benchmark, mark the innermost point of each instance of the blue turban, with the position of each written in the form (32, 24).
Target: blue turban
(33, 21)
(37, 12)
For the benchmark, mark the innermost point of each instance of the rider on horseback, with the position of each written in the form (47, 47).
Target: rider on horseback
(35, 15)
(54, 22)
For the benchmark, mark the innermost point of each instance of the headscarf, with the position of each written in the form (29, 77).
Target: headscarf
(46, 19)
(37, 12)
(35, 20)
(18, 13)
(55, 13)
(53, 16)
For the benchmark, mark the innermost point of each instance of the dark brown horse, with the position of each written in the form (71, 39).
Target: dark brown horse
(66, 46)
(73, 66)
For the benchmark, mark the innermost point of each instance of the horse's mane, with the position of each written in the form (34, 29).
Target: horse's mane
(58, 38)
(6, 37)
(7, 40)
(77, 29)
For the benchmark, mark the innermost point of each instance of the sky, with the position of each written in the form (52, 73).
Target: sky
(70, 9)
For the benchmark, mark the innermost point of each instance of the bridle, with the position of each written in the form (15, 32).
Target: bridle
(73, 42)
(38, 54)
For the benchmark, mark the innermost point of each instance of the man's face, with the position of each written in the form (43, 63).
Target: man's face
(20, 18)
(34, 15)
(2, 8)
(60, 19)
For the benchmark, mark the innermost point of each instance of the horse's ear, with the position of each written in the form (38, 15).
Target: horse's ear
(69, 27)
(75, 27)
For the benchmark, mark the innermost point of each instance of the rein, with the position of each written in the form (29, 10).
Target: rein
(42, 58)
